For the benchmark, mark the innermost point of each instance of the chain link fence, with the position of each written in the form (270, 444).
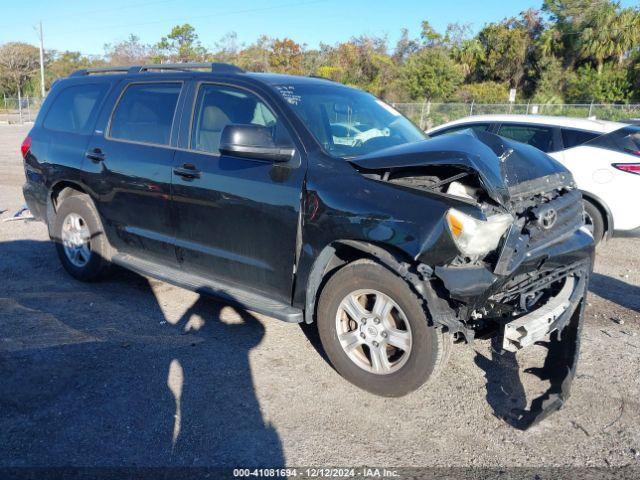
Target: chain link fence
(18, 111)
(428, 115)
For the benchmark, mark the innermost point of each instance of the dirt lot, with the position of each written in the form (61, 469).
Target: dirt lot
(135, 372)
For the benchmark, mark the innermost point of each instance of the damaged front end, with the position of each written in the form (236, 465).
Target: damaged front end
(522, 259)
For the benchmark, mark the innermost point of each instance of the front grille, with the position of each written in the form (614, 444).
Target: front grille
(554, 219)
(534, 229)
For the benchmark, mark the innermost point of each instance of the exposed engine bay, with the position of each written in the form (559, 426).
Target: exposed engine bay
(528, 222)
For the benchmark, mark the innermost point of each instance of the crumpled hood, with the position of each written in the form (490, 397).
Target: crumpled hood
(505, 167)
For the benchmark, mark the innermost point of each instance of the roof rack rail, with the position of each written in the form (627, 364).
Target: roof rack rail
(215, 67)
(88, 71)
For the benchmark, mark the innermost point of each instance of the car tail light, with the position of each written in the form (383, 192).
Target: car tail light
(628, 167)
(26, 145)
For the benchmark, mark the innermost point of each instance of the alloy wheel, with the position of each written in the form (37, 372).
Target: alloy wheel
(373, 331)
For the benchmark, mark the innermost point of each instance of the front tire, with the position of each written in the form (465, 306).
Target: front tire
(376, 333)
(594, 221)
(80, 241)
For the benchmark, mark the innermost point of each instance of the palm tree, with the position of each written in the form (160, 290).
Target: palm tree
(626, 30)
(610, 33)
(598, 40)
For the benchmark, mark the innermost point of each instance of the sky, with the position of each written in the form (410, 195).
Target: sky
(86, 25)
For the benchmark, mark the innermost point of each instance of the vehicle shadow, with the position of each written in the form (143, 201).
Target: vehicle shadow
(617, 291)
(98, 375)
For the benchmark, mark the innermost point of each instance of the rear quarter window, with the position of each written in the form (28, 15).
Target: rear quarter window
(145, 113)
(626, 140)
(73, 108)
(574, 138)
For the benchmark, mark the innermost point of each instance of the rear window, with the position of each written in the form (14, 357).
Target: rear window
(145, 113)
(574, 138)
(73, 107)
(625, 140)
(534, 135)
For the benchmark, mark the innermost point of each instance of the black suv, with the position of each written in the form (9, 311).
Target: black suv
(307, 201)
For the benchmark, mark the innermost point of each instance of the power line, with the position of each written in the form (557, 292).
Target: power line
(93, 12)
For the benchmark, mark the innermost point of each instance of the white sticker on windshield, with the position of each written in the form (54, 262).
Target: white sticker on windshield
(288, 92)
(388, 108)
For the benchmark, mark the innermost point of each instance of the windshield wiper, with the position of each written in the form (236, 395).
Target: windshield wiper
(445, 181)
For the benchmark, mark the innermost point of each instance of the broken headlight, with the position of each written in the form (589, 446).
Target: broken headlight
(477, 237)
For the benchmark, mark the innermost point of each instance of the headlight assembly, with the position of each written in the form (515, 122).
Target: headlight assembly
(477, 237)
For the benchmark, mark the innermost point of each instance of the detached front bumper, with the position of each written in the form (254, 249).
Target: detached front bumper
(556, 324)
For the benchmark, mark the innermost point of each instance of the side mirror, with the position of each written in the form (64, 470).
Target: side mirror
(253, 141)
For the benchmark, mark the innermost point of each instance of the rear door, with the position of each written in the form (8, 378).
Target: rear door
(237, 218)
(129, 161)
(64, 127)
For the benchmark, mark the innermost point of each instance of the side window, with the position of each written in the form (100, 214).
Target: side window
(219, 106)
(72, 108)
(574, 138)
(145, 113)
(536, 136)
(476, 127)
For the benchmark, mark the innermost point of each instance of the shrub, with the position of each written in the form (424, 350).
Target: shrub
(484, 92)
(611, 85)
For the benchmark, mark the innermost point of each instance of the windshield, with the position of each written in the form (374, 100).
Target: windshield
(348, 122)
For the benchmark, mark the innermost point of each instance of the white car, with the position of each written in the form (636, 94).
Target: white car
(355, 133)
(604, 158)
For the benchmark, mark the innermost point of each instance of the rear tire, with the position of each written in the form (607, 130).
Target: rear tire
(80, 241)
(414, 350)
(593, 220)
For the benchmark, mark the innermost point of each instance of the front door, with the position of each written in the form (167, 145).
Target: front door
(236, 218)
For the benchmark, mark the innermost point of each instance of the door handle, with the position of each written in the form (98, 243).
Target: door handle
(188, 171)
(97, 155)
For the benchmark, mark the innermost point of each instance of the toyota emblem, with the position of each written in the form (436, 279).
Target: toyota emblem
(548, 219)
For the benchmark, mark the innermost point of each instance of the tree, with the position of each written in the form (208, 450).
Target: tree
(285, 56)
(430, 37)
(506, 45)
(128, 52)
(63, 64)
(181, 45)
(608, 85)
(18, 63)
(227, 48)
(431, 74)
(469, 54)
(551, 80)
(484, 92)
(404, 47)
(255, 57)
(362, 62)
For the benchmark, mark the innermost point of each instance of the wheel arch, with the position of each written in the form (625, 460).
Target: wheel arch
(341, 252)
(603, 208)
(58, 192)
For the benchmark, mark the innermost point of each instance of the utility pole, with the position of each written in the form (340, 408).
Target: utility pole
(41, 62)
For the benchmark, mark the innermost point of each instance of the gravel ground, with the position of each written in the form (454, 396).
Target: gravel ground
(135, 372)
